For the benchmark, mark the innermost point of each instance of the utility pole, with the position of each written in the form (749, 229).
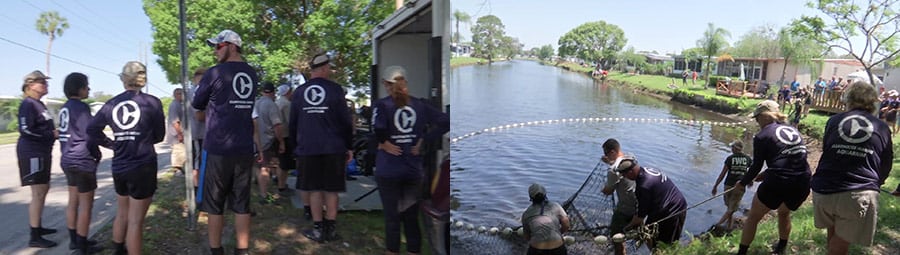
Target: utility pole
(189, 162)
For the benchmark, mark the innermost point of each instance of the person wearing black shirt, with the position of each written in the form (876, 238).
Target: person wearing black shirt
(36, 137)
(785, 183)
(658, 199)
(856, 159)
(735, 167)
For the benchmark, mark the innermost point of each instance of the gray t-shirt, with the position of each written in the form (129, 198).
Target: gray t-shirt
(198, 128)
(267, 116)
(544, 227)
(176, 114)
(627, 203)
(284, 107)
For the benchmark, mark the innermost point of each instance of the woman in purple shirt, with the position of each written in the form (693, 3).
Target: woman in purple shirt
(36, 137)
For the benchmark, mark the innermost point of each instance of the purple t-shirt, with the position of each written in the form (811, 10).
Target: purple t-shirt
(35, 129)
(137, 122)
(857, 154)
(657, 195)
(404, 127)
(783, 151)
(321, 119)
(78, 153)
(227, 93)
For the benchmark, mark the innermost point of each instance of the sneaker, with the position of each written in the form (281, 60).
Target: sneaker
(73, 246)
(307, 215)
(286, 191)
(46, 231)
(330, 232)
(269, 199)
(90, 250)
(40, 242)
(314, 234)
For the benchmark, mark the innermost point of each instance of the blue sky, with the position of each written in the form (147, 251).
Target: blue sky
(665, 26)
(102, 34)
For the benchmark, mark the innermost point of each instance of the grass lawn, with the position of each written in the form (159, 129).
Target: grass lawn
(464, 61)
(276, 229)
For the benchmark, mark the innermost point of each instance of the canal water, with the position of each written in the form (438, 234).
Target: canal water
(491, 172)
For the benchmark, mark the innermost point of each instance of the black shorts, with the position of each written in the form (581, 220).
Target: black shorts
(85, 181)
(286, 159)
(139, 183)
(225, 178)
(775, 190)
(196, 152)
(270, 156)
(34, 170)
(322, 173)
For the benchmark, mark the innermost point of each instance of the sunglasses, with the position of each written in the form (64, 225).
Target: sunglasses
(220, 45)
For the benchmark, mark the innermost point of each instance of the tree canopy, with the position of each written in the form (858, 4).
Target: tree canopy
(712, 43)
(279, 36)
(488, 37)
(878, 22)
(545, 52)
(761, 42)
(592, 41)
(52, 25)
(460, 16)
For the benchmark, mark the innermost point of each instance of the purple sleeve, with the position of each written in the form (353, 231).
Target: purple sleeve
(201, 96)
(758, 160)
(439, 121)
(380, 123)
(159, 125)
(887, 159)
(95, 128)
(347, 123)
(644, 203)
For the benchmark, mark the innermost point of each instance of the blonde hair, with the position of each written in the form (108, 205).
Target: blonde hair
(776, 116)
(860, 95)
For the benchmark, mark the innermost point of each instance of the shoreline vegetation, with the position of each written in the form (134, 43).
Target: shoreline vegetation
(805, 238)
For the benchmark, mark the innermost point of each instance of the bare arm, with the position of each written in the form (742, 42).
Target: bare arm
(719, 179)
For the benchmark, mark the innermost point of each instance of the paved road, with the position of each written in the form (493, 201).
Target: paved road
(14, 201)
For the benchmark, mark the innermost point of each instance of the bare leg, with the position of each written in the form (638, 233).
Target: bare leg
(263, 180)
(242, 230)
(282, 178)
(85, 206)
(196, 176)
(36, 208)
(836, 245)
(214, 229)
(315, 202)
(120, 224)
(304, 197)
(331, 205)
(784, 222)
(757, 211)
(72, 208)
(137, 210)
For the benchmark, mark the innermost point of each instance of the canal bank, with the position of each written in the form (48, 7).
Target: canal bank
(805, 238)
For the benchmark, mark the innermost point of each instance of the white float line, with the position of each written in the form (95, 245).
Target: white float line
(592, 120)
(600, 240)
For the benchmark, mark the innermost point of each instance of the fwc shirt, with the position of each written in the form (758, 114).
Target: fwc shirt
(737, 164)
(78, 153)
(404, 127)
(783, 151)
(35, 129)
(226, 93)
(137, 122)
(321, 122)
(857, 154)
(657, 195)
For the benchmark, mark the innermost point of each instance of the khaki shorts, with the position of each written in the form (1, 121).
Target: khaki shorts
(852, 214)
(733, 198)
(178, 155)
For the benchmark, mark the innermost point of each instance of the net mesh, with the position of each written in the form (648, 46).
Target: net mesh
(589, 210)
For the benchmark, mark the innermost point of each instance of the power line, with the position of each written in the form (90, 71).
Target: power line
(73, 43)
(90, 32)
(72, 61)
(103, 17)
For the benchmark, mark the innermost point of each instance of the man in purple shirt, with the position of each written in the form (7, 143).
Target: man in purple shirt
(856, 159)
(137, 122)
(36, 137)
(226, 94)
(78, 161)
(659, 201)
(322, 128)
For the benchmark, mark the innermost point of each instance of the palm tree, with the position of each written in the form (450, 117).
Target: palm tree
(463, 17)
(712, 43)
(51, 25)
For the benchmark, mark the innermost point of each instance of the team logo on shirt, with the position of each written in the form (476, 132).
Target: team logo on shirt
(314, 95)
(787, 135)
(242, 85)
(654, 172)
(855, 129)
(126, 114)
(64, 119)
(404, 119)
